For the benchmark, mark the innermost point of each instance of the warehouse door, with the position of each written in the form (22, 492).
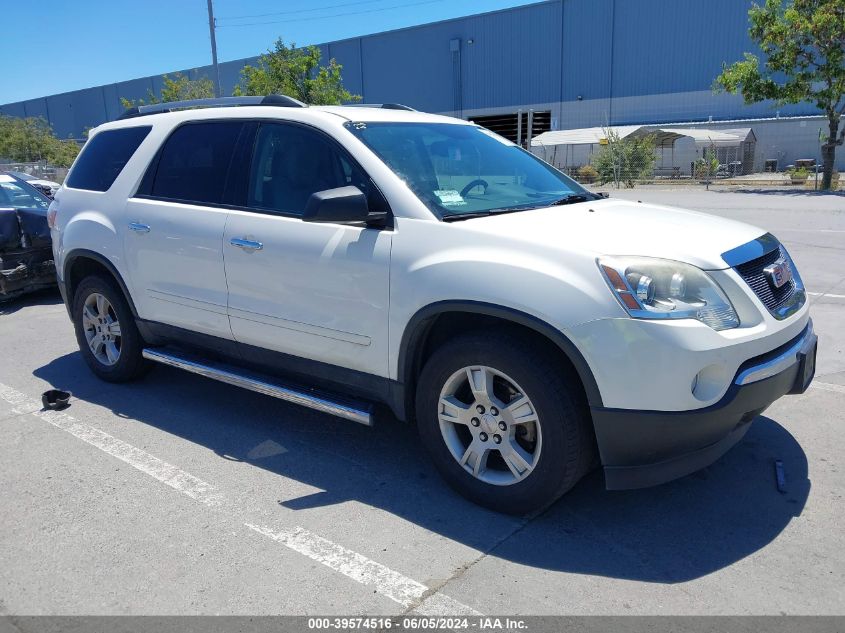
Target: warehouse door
(507, 125)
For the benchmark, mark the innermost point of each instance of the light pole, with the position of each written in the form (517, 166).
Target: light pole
(211, 29)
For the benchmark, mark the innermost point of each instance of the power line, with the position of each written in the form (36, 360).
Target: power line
(334, 15)
(312, 9)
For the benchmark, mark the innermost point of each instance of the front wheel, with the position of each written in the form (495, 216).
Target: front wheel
(504, 422)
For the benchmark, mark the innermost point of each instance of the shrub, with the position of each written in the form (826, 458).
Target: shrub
(705, 168)
(586, 174)
(625, 160)
(802, 173)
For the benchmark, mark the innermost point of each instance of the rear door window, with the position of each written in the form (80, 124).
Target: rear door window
(194, 162)
(104, 157)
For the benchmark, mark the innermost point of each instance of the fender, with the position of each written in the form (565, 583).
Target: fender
(78, 253)
(418, 325)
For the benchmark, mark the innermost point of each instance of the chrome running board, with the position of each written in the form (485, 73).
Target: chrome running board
(351, 410)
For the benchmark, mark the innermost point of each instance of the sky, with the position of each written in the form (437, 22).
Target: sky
(63, 45)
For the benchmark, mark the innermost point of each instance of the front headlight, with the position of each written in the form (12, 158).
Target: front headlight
(650, 288)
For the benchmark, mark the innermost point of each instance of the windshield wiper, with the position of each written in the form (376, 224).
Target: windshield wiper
(457, 217)
(570, 199)
(484, 214)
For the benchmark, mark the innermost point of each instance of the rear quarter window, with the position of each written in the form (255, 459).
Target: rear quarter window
(104, 157)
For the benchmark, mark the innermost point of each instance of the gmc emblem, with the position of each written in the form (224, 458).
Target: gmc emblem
(778, 273)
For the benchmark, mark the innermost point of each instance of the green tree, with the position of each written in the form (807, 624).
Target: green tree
(804, 45)
(295, 72)
(32, 139)
(178, 88)
(625, 160)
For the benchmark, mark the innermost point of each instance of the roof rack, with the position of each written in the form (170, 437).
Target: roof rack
(282, 101)
(384, 106)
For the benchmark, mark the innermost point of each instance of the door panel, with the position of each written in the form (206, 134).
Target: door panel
(176, 268)
(318, 291)
(174, 238)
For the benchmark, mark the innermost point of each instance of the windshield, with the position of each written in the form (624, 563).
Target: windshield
(465, 169)
(23, 176)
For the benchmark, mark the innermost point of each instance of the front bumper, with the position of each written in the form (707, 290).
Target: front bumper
(645, 448)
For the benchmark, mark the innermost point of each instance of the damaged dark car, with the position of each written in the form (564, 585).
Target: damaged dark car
(26, 253)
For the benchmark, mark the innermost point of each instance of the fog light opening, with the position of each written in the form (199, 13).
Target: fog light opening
(710, 383)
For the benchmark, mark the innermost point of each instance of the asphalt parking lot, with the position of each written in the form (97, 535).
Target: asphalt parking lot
(178, 495)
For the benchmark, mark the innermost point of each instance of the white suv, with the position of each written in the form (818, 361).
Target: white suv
(340, 257)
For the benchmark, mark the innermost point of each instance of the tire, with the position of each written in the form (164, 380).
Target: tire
(555, 400)
(128, 364)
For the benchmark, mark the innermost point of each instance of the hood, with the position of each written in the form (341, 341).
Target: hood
(620, 227)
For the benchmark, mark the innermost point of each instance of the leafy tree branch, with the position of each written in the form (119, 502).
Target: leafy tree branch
(803, 42)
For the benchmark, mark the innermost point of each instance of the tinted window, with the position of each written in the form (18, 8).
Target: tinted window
(290, 163)
(104, 157)
(195, 160)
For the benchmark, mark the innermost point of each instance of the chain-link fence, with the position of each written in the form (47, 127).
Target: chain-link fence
(42, 170)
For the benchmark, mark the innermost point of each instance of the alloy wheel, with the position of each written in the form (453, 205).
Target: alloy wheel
(489, 425)
(101, 328)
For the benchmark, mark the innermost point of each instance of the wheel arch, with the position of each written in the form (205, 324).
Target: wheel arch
(418, 332)
(80, 263)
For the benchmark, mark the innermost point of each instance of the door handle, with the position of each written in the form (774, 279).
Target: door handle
(138, 227)
(247, 245)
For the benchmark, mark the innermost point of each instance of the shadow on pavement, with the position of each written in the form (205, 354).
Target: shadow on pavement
(45, 297)
(670, 533)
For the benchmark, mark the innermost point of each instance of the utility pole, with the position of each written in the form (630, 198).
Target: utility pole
(211, 29)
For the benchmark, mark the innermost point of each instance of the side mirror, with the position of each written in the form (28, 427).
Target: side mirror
(342, 205)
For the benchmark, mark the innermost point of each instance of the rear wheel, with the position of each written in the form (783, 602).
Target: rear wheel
(105, 330)
(504, 422)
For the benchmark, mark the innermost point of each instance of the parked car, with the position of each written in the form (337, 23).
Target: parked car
(341, 256)
(26, 254)
(47, 187)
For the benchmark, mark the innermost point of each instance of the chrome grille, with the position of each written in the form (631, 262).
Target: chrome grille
(753, 274)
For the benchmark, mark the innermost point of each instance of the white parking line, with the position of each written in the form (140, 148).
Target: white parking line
(154, 467)
(407, 592)
(399, 588)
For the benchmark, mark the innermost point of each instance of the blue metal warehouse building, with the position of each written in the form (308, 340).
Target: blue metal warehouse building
(576, 63)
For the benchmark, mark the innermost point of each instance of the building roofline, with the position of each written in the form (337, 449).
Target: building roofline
(793, 117)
